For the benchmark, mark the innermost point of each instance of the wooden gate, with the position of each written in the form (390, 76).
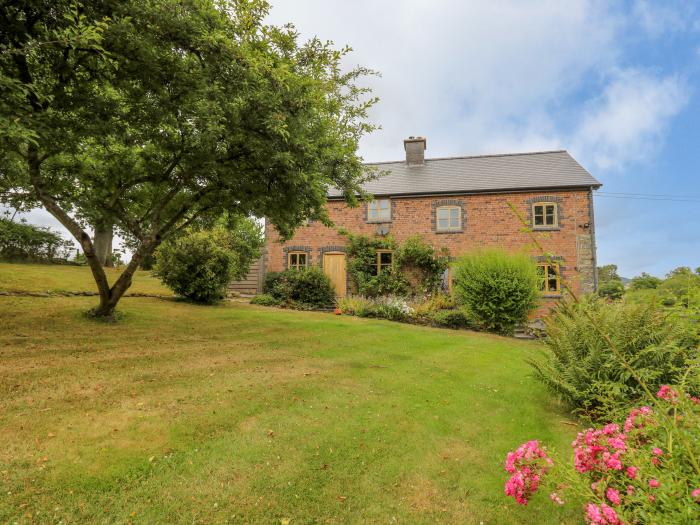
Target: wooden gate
(251, 284)
(334, 266)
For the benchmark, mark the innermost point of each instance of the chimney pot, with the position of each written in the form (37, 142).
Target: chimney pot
(415, 150)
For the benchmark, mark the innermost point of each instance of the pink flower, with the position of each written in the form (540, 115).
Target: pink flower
(611, 429)
(667, 394)
(630, 489)
(632, 419)
(694, 399)
(654, 483)
(610, 514)
(593, 514)
(613, 462)
(613, 496)
(652, 498)
(632, 472)
(527, 465)
(696, 495)
(603, 515)
(657, 451)
(618, 442)
(556, 499)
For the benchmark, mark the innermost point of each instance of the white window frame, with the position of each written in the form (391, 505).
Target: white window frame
(379, 210)
(451, 226)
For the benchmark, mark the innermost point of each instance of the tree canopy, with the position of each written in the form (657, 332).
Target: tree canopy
(153, 115)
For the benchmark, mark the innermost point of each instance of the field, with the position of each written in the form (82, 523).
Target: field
(241, 414)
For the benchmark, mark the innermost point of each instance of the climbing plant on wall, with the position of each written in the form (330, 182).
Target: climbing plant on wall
(416, 267)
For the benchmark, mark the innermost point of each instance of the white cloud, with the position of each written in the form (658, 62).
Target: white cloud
(471, 76)
(658, 18)
(486, 76)
(627, 122)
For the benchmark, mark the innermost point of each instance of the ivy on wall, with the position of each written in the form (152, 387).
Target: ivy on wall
(416, 267)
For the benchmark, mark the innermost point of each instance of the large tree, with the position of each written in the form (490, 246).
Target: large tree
(151, 115)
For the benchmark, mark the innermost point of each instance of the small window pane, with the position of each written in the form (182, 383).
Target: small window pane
(443, 224)
(540, 273)
(385, 257)
(293, 259)
(442, 213)
(379, 210)
(302, 259)
(454, 214)
(549, 217)
(538, 215)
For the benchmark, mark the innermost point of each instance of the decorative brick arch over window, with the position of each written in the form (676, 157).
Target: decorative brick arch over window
(298, 249)
(545, 203)
(448, 204)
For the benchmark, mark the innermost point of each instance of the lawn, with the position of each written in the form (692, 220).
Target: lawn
(47, 278)
(242, 414)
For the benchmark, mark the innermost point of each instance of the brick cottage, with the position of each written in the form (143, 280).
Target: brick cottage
(462, 203)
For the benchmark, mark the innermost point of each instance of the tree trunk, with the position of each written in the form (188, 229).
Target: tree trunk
(116, 292)
(104, 234)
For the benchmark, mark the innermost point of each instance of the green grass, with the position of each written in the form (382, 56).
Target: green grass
(244, 414)
(49, 278)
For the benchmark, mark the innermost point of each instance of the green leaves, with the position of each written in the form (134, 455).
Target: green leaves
(498, 289)
(581, 369)
(154, 115)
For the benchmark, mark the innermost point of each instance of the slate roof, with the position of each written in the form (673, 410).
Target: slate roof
(480, 174)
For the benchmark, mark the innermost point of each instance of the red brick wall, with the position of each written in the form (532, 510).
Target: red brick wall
(488, 221)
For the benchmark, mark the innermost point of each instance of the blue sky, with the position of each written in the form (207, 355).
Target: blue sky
(615, 83)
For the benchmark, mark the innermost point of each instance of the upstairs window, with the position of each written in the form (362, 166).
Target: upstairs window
(544, 215)
(449, 218)
(379, 210)
(550, 278)
(384, 260)
(297, 260)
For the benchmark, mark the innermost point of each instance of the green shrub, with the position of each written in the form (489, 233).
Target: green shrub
(420, 265)
(26, 242)
(611, 290)
(362, 267)
(391, 308)
(455, 319)
(264, 299)
(498, 289)
(434, 303)
(416, 267)
(359, 306)
(644, 282)
(308, 288)
(580, 368)
(196, 265)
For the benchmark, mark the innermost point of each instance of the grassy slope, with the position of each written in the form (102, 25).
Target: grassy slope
(58, 278)
(249, 415)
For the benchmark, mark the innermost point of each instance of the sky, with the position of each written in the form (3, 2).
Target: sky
(614, 83)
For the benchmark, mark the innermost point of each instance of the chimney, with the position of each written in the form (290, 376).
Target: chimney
(415, 150)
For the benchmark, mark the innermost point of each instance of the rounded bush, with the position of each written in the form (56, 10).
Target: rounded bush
(305, 288)
(498, 289)
(264, 299)
(611, 290)
(197, 266)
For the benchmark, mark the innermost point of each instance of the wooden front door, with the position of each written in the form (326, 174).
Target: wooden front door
(334, 266)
